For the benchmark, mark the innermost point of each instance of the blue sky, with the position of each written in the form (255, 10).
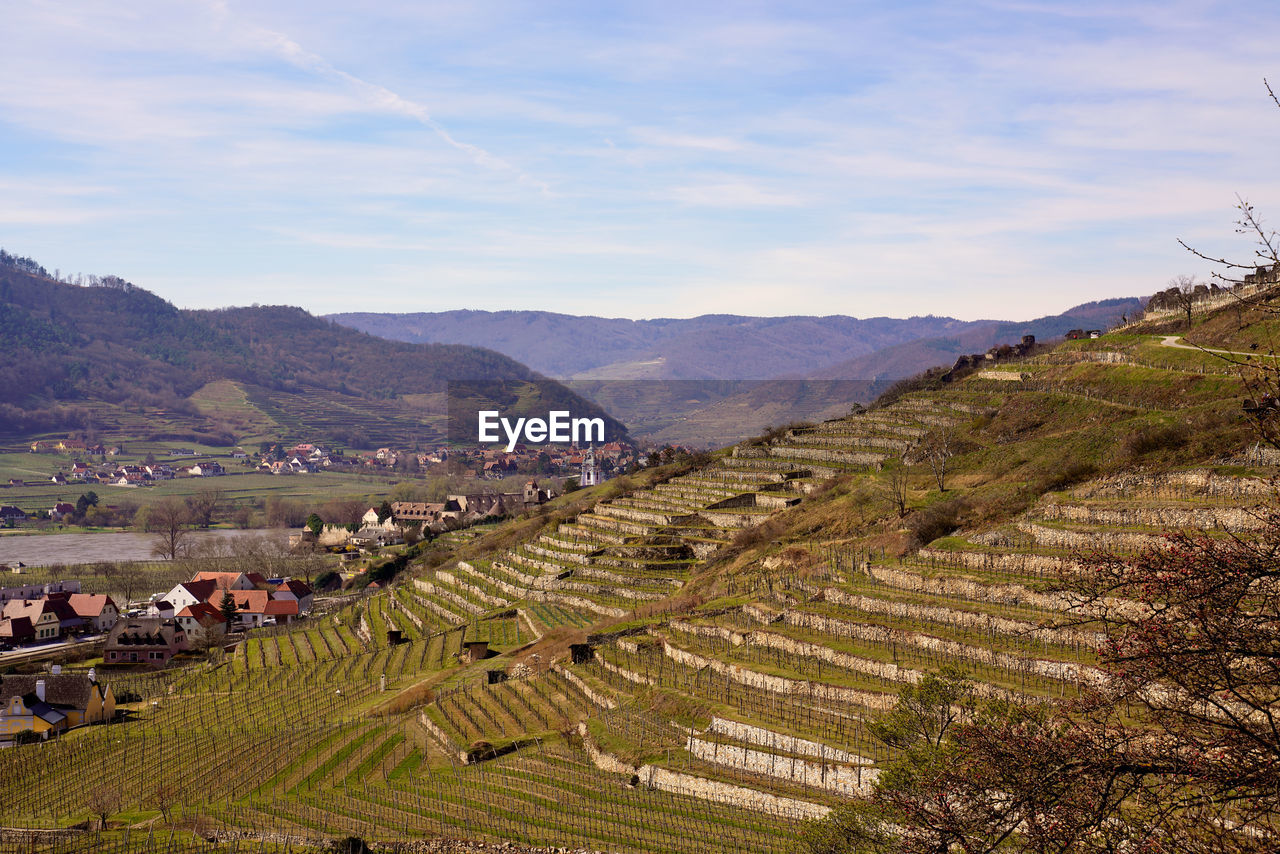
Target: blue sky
(1003, 159)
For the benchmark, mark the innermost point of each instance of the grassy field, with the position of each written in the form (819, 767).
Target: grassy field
(310, 488)
(229, 402)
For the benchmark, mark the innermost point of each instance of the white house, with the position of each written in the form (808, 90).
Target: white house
(95, 609)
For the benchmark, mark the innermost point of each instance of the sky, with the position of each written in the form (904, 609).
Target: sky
(652, 159)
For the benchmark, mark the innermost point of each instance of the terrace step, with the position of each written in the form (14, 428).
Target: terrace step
(588, 533)
(818, 455)
(567, 543)
(1235, 519)
(731, 477)
(617, 527)
(631, 514)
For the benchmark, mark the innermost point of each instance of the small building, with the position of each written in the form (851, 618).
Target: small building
(45, 616)
(375, 537)
(10, 513)
(230, 580)
(291, 589)
(97, 610)
(184, 594)
(473, 651)
(79, 699)
(280, 612)
(144, 640)
(201, 621)
(16, 631)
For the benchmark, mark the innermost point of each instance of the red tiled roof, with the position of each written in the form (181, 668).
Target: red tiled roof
(202, 612)
(296, 587)
(201, 590)
(90, 604)
(282, 608)
(247, 601)
(220, 579)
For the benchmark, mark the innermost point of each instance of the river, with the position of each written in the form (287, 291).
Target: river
(68, 549)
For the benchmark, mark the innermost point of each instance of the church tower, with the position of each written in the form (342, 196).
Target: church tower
(591, 473)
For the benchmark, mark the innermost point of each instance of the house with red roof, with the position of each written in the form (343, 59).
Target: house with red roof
(227, 580)
(201, 621)
(280, 611)
(291, 589)
(46, 616)
(251, 606)
(16, 630)
(97, 610)
(184, 594)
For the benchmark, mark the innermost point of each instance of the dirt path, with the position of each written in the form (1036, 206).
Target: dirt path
(1172, 341)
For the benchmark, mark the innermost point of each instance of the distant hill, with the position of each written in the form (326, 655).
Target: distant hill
(714, 346)
(702, 361)
(90, 358)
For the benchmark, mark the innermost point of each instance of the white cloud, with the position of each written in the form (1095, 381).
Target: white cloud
(659, 159)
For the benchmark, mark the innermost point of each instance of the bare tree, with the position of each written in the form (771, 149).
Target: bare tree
(125, 578)
(164, 796)
(170, 521)
(936, 450)
(203, 506)
(894, 484)
(1182, 288)
(103, 801)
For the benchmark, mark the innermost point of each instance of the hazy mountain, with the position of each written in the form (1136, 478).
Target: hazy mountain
(713, 346)
(710, 368)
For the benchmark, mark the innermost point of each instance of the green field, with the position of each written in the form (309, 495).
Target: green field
(310, 488)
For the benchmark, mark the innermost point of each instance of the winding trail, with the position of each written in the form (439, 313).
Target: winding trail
(1172, 341)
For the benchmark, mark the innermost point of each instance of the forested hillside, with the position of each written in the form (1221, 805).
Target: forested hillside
(71, 349)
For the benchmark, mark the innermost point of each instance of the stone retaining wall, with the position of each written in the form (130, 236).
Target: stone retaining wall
(595, 535)
(1019, 564)
(445, 743)
(461, 601)
(780, 684)
(439, 610)
(966, 619)
(629, 675)
(557, 554)
(591, 694)
(533, 629)
(850, 781)
(762, 737)
(1199, 481)
(604, 590)
(1065, 670)
(449, 578)
(700, 787)
(400, 606)
(827, 455)
(1057, 538)
(1234, 519)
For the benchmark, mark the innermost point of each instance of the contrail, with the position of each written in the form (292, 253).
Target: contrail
(377, 96)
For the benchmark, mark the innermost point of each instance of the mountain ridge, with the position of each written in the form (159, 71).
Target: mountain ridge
(73, 350)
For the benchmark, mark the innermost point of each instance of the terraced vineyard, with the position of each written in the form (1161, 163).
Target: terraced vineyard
(692, 666)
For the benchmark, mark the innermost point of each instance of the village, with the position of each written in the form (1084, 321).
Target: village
(308, 458)
(117, 468)
(209, 612)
